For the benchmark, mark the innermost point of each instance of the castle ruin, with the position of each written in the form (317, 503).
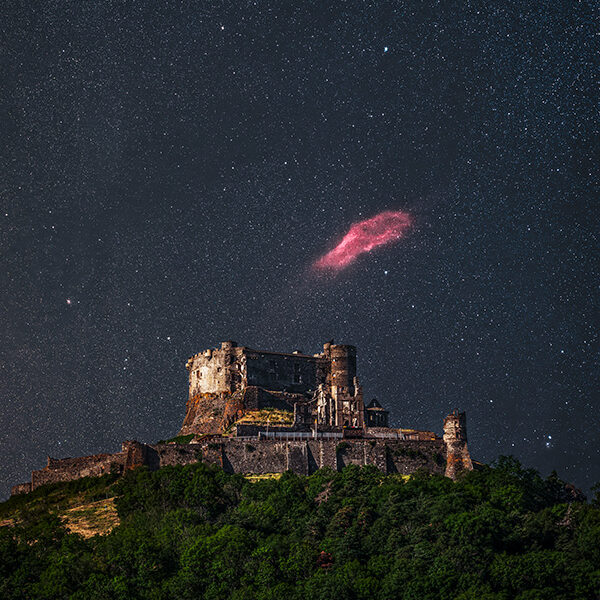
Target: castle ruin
(256, 412)
(321, 387)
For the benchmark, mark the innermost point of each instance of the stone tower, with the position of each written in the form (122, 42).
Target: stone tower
(346, 395)
(455, 437)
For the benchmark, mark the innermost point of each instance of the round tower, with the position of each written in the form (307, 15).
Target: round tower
(343, 367)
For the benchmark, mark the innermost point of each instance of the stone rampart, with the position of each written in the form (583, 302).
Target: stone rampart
(21, 488)
(257, 456)
(67, 469)
(306, 456)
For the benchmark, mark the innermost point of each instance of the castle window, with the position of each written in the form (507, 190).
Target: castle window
(297, 374)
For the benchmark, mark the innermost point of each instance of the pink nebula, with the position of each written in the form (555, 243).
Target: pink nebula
(385, 228)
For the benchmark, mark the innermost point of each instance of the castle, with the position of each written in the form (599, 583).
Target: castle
(256, 411)
(321, 387)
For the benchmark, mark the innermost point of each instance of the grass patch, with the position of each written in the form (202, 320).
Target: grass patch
(272, 416)
(95, 518)
(88, 498)
(263, 477)
(61, 495)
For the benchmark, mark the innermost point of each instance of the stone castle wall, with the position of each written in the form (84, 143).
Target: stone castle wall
(306, 456)
(232, 368)
(67, 469)
(21, 488)
(133, 454)
(279, 372)
(253, 456)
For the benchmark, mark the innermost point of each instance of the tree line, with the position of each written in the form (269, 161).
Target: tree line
(499, 533)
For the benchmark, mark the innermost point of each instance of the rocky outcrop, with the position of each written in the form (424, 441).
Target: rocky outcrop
(215, 413)
(210, 413)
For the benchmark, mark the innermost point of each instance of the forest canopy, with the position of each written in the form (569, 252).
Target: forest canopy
(498, 533)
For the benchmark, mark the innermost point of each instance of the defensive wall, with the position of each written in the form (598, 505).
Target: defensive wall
(133, 454)
(306, 456)
(256, 456)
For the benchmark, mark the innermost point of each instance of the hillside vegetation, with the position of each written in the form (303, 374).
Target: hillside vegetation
(499, 533)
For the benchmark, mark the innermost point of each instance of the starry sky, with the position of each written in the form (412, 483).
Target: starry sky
(171, 170)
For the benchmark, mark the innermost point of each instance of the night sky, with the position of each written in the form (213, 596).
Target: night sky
(171, 171)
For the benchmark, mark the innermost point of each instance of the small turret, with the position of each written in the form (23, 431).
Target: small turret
(376, 415)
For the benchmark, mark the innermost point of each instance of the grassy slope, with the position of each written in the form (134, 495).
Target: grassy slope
(85, 506)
